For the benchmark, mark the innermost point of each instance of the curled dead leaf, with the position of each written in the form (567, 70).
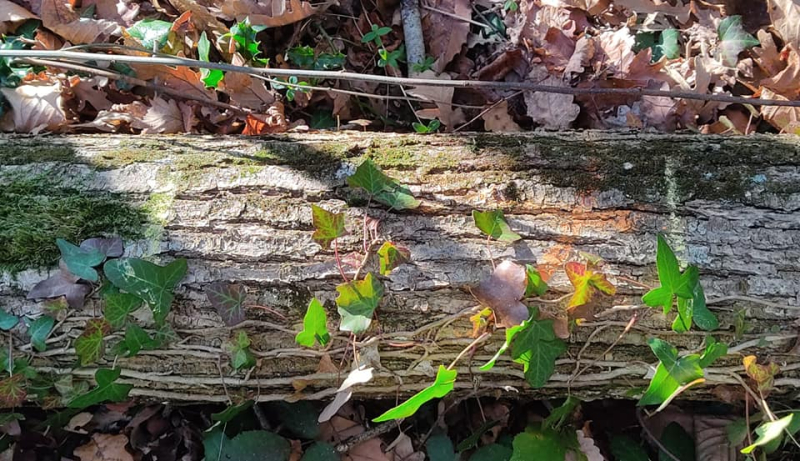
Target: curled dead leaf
(35, 107)
(502, 292)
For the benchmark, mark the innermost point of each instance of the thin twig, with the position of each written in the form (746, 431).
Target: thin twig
(348, 444)
(488, 109)
(333, 75)
(474, 343)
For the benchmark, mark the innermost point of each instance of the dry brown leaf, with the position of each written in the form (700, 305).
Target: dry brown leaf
(371, 450)
(550, 110)
(11, 15)
(77, 422)
(617, 51)
(640, 7)
(498, 120)
(502, 292)
(766, 55)
(404, 450)
(182, 79)
(593, 7)
(787, 81)
(165, 117)
(244, 90)
(270, 13)
(123, 12)
(659, 111)
(58, 16)
(104, 447)
(530, 25)
(34, 107)
(445, 35)
(581, 57)
(785, 16)
(91, 90)
(442, 96)
(128, 115)
(782, 118)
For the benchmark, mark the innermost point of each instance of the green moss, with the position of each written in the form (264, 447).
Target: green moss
(35, 211)
(37, 153)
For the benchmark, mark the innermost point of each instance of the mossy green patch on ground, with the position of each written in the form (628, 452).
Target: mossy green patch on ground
(36, 153)
(35, 211)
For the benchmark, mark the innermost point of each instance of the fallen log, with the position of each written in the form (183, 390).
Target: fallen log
(238, 209)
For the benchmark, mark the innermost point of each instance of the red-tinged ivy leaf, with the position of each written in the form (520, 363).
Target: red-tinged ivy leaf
(107, 390)
(733, 40)
(502, 292)
(12, 391)
(61, 284)
(357, 302)
(493, 223)
(228, 300)
(763, 375)
(328, 226)
(382, 187)
(586, 281)
(315, 326)
(479, 321)
(90, 345)
(444, 383)
(391, 256)
(111, 247)
(536, 285)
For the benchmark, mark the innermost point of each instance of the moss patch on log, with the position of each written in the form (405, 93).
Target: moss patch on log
(35, 211)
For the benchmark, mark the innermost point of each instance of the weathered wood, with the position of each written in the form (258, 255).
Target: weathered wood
(238, 210)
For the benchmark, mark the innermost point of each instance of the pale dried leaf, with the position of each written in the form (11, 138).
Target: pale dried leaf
(589, 448)
(123, 12)
(77, 422)
(502, 292)
(244, 90)
(766, 55)
(404, 449)
(644, 7)
(360, 375)
(371, 450)
(58, 16)
(550, 110)
(34, 107)
(617, 49)
(91, 90)
(118, 116)
(581, 57)
(270, 13)
(787, 81)
(782, 118)
(785, 16)
(442, 96)
(163, 117)
(593, 7)
(498, 120)
(11, 15)
(104, 447)
(445, 35)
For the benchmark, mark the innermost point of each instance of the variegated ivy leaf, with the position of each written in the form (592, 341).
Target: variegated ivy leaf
(151, 282)
(391, 256)
(328, 226)
(90, 345)
(357, 301)
(586, 282)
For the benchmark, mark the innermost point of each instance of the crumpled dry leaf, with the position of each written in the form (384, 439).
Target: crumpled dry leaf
(90, 90)
(167, 117)
(530, 25)
(244, 90)
(787, 81)
(61, 284)
(641, 7)
(445, 35)
(581, 57)
(593, 7)
(786, 119)
(117, 116)
(502, 292)
(104, 447)
(35, 106)
(182, 79)
(442, 95)
(550, 110)
(58, 16)
(404, 450)
(785, 16)
(617, 49)
(11, 15)
(270, 13)
(498, 120)
(123, 12)
(272, 122)
(766, 55)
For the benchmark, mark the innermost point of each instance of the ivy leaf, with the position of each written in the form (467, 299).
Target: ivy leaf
(79, 261)
(7, 321)
(210, 77)
(119, 306)
(38, 330)
(12, 391)
(357, 301)
(502, 292)
(110, 247)
(328, 225)
(493, 452)
(315, 326)
(383, 188)
(231, 412)
(493, 223)
(537, 348)
(763, 375)
(440, 448)
(679, 443)
(152, 283)
(733, 40)
(769, 431)
(228, 300)
(241, 357)
(90, 345)
(586, 281)
(107, 390)
(683, 321)
(391, 256)
(511, 332)
(536, 284)
(298, 418)
(136, 339)
(672, 371)
(712, 352)
(539, 444)
(673, 283)
(61, 284)
(444, 383)
(624, 448)
(151, 33)
(703, 317)
(561, 414)
(247, 446)
(684, 369)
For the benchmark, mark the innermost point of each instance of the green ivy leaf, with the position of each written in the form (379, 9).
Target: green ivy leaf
(624, 448)
(136, 339)
(247, 446)
(493, 223)
(38, 330)
(703, 317)
(151, 33)
(440, 448)
(12, 391)
(299, 418)
(768, 432)
(315, 326)
(561, 414)
(536, 286)
(733, 40)
(152, 283)
(90, 345)
(444, 383)
(241, 357)
(679, 443)
(7, 321)
(328, 226)
(537, 348)
(673, 283)
(228, 300)
(390, 256)
(210, 77)
(539, 444)
(79, 261)
(712, 352)
(383, 188)
(119, 306)
(664, 43)
(511, 332)
(107, 390)
(227, 415)
(357, 301)
(493, 452)
(320, 451)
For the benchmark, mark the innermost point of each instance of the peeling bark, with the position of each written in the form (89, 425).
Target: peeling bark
(239, 210)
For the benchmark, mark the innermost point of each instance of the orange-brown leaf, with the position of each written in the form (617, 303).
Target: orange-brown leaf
(763, 375)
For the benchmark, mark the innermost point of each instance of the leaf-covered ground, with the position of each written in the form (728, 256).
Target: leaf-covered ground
(746, 48)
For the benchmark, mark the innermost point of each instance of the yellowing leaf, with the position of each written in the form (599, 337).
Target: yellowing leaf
(357, 301)
(763, 375)
(90, 345)
(586, 282)
(391, 256)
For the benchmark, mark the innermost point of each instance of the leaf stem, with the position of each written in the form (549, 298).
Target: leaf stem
(339, 261)
(466, 349)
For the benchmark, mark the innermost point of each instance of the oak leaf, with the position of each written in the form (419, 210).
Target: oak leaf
(34, 107)
(61, 18)
(444, 34)
(104, 447)
(11, 15)
(270, 13)
(785, 16)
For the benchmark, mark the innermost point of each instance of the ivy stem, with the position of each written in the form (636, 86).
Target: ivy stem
(364, 225)
(339, 261)
(466, 349)
(634, 282)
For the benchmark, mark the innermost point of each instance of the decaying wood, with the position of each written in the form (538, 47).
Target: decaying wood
(239, 210)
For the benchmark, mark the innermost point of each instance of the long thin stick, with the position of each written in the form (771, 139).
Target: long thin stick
(333, 75)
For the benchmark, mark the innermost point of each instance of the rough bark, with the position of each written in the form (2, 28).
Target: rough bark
(239, 210)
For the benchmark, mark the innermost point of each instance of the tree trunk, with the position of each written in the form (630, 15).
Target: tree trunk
(239, 210)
